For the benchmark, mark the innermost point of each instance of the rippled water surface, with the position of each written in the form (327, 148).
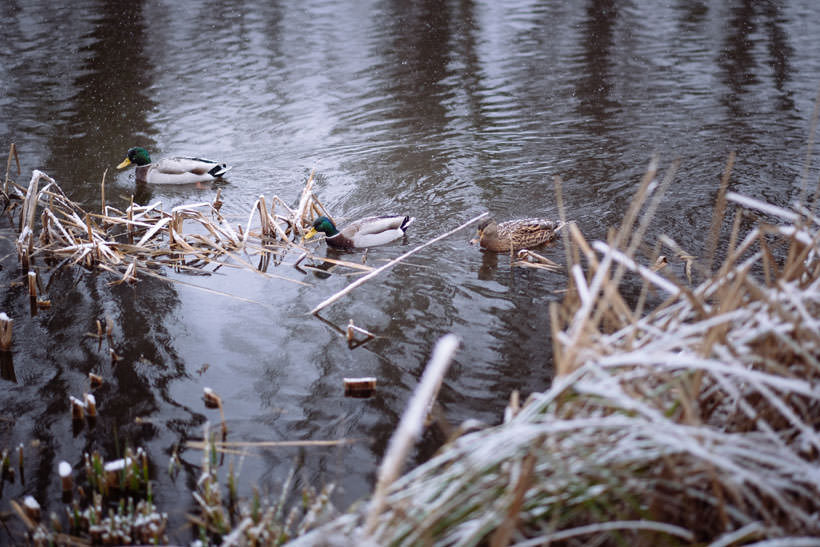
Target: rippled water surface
(441, 110)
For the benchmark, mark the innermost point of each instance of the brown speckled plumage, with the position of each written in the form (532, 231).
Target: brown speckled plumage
(516, 234)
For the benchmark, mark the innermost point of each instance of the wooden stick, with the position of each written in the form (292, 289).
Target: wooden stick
(32, 508)
(264, 217)
(278, 229)
(217, 202)
(6, 324)
(30, 203)
(360, 387)
(276, 200)
(29, 523)
(352, 329)
(66, 480)
(77, 408)
(95, 380)
(393, 262)
(90, 405)
(201, 445)
(410, 424)
(337, 262)
(319, 208)
(32, 284)
(212, 400)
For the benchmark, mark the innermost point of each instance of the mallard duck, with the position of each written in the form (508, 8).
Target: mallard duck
(365, 232)
(516, 234)
(172, 170)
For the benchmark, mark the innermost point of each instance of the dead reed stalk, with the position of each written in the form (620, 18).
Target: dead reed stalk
(410, 425)
(136, 241)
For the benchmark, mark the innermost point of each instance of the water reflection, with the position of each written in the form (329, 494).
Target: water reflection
(56, 355)
(489, 265)
(738, 57)
(110, 110)
(594, 89)
(780, 52)
(437, 109)
(7, 366)
(90, 94)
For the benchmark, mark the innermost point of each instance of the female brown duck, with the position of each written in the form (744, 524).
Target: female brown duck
(516, 234)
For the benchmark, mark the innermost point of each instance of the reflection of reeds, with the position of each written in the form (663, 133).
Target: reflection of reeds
(66, 478)
(692, 422)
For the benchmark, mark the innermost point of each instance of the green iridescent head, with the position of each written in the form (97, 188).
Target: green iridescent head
(322, 224)
(137, 156)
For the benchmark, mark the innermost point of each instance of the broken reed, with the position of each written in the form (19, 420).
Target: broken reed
(133, 241)
(258, 520)
(113, 507)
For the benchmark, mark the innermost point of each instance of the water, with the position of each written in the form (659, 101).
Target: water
(442, 110)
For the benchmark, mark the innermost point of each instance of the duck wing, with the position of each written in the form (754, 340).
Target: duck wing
(528, 232)
(377, 225)
(373, 231)
(196, 166)
(211, 167)
(180, 171)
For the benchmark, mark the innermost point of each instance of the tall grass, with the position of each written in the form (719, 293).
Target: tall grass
(693, 422)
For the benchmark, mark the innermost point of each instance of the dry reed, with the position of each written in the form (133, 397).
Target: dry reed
(142, 238)
(694, 422)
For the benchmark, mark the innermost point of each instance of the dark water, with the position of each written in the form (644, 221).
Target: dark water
(442, 110)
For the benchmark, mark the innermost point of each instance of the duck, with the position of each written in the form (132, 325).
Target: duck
(177, 170)
(514, 235)
(365, 232)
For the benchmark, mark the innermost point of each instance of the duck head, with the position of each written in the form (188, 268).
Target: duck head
(137, 156)
(322, 224)
(487, 228)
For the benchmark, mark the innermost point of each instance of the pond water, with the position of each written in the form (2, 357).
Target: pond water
(437, 109)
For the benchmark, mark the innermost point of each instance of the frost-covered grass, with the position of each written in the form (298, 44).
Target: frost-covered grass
(693, 422)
